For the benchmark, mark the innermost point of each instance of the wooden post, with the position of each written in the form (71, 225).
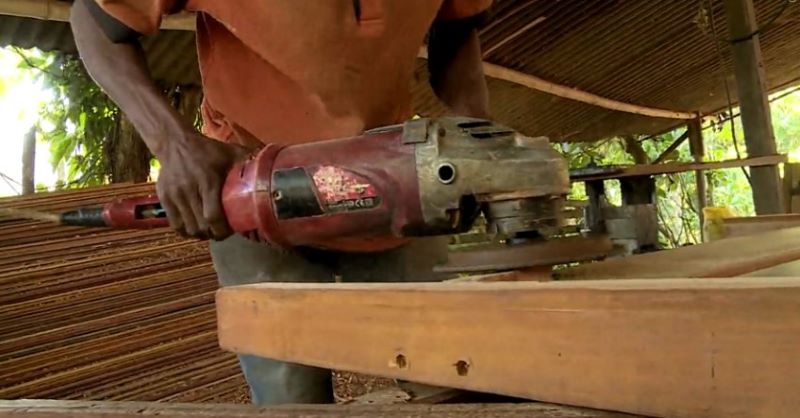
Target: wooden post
(752, 92)
(29, 162)
(595, 190)
(791, 187)
(695, 129)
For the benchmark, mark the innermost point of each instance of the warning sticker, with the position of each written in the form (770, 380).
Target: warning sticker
(342, 191)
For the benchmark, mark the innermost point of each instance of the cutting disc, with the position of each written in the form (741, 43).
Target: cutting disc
(499, 257)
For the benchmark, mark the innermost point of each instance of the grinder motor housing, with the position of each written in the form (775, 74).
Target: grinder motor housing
(421, 178)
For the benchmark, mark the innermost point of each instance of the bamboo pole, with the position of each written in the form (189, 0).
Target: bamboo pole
(571, 93)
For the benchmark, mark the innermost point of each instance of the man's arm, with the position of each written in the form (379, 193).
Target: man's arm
(193, 166)
(455, 65)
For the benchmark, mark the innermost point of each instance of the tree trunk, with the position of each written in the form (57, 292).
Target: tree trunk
(634, 148)
(29, 162)
(128, 156)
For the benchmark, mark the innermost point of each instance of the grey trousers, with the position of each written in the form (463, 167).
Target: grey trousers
(241, 261)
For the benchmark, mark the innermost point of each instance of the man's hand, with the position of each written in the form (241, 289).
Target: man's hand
(193, 167)
(193, 171)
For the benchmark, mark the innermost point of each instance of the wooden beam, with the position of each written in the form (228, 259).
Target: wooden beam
(57, 10)
(677, 348)
(752, 90)
(565, 92)
(672, 147)
(571, 93)
(656, 169)
(723, 258)
(90, 409)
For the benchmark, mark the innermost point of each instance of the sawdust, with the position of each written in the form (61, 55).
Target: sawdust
(29, 214)
(348, 386)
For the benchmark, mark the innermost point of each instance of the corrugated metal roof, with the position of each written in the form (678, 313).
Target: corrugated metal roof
(658, 54)
(107, 315)
(647, 53)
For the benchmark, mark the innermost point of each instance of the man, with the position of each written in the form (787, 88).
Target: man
(284, 71)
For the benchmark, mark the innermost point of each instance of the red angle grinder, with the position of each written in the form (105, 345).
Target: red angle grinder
(421, 178)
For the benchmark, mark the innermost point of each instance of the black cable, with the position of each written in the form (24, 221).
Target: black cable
(763, 28)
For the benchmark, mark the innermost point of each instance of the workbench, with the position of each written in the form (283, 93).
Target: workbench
(681, 336)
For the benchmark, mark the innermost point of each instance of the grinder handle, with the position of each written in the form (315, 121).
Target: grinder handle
(137, 212)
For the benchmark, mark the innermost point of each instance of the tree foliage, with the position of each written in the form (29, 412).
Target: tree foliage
(677, 193)
(79, 119)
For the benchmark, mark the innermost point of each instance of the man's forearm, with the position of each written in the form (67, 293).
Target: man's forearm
(120, 69)
(456, 68)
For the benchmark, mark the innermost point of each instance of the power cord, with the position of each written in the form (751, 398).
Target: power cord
(764, 28)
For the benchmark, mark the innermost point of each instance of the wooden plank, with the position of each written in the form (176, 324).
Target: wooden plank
(753, 97)
(673, 347)
(751, 225)
(656, 169)
(80, 409)
(791, 187)
(791, 269)
(723, 258)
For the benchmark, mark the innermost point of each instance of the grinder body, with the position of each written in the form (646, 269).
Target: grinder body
(422, 178)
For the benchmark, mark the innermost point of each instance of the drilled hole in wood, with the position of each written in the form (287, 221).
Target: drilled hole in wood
(462, 368)
(401, 361)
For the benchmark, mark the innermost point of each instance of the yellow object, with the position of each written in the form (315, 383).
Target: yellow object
(713, 227)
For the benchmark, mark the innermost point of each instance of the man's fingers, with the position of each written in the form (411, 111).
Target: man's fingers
(194, 201)
(173, 213)
(214, 214)
(187, 215)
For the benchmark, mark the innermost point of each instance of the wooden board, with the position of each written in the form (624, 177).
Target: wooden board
(673, 347)
(79, 409)
(655, 169)
(750, 225)
(724, 258)
(791, 269)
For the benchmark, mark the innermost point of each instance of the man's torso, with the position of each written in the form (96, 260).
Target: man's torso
(289, 71)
